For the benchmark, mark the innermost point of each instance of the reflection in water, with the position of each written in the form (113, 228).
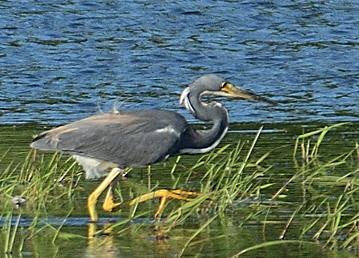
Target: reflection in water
(232, 234)
(101, 242)
(105, 241)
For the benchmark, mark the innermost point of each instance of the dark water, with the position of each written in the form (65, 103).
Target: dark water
(224, 238)
(61, 60)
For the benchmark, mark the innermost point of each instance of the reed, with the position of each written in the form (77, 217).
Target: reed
(230, 176)
(310, 142)
(233, 177)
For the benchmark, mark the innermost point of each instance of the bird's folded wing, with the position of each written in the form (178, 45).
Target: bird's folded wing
(122, 139)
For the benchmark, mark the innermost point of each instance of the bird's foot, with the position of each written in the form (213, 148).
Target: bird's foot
(92, 199)
(109, 204)
(163, 195)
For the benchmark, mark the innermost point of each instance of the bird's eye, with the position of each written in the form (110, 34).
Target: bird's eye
(224, 84)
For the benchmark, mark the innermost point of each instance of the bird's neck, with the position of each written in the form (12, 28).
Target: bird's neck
(201, 141)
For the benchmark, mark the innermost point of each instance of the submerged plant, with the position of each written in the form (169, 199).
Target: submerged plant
(310, 150)
(10, 231)
(229, 175)
(238, 184)
(329, 212)
(43, 183)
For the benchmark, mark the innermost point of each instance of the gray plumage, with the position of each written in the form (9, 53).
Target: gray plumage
(126, 139)
(140, 138)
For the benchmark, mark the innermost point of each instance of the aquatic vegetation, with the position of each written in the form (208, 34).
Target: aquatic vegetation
(10, 233)
(310, 150)
(329, 207)
(228, 176)
(239, 184)
(43, 182)
(328, 212)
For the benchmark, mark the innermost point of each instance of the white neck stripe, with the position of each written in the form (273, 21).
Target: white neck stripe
(207, 149)
(184, 100)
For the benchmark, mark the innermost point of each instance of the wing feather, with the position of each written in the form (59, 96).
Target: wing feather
(127, 139)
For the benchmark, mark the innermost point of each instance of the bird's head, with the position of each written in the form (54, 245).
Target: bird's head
(212, 84)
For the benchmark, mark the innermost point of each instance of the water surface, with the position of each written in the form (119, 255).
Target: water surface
(62, 60)
(224, 238)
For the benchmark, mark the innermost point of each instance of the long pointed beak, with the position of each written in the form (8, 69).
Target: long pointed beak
(229, 90)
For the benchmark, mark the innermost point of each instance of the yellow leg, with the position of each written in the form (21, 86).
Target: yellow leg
(185, 193)
(92, 199)
(163, 195)
(91, 230)
(109, 205)
(161, 207)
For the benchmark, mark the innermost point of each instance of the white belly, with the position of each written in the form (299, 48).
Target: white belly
(94, 168)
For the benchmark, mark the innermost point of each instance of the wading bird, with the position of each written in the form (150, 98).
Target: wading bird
(114, 141)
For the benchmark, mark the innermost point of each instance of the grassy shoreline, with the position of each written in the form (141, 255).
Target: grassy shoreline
(311, 199)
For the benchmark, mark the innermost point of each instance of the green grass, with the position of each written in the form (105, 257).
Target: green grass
(236, 180)
(229, 175)
(42, 181)
(10, 233)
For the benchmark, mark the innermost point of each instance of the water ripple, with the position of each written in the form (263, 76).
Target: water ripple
(61, 60)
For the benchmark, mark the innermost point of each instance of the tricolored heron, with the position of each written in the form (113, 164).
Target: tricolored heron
(138, 138)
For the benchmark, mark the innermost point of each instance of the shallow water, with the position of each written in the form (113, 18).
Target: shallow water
(61, 60)
(224, 238)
